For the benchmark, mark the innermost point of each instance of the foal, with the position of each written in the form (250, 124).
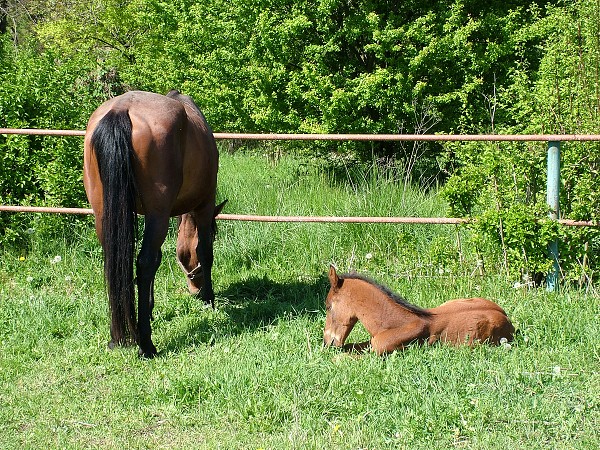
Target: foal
(393, 323)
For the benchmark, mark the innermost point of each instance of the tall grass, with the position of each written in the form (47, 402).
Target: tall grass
(293, 187)
(253, 374)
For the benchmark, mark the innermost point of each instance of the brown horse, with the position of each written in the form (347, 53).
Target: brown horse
(154, 155)
(393, 323)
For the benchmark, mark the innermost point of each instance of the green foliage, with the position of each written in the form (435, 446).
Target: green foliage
(503, 186)
(41, 91)
(330, 66)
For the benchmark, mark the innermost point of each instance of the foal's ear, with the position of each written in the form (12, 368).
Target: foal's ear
(334, 280)
(218, 208)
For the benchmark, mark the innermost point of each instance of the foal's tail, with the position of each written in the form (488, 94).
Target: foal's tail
(112, 144)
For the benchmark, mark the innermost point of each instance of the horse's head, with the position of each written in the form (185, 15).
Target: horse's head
(340, 319)
(188, 238)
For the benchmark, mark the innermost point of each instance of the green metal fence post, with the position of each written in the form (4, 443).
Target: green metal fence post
(552, 194)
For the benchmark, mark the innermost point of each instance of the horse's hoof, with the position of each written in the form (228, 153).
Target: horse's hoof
(206, 302)
(209, 302)
(208, 305)
(147, 354)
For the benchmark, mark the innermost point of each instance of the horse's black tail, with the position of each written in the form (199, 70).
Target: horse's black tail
(112, 144)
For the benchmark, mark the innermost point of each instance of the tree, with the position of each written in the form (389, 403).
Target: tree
(504, 188)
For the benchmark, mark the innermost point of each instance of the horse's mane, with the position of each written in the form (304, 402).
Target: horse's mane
(388, 293)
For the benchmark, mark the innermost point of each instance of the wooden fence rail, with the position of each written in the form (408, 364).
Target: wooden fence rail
(297, 219)
(324, 137)
(352, 137)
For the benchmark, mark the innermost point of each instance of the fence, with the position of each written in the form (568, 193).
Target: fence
(553, 180)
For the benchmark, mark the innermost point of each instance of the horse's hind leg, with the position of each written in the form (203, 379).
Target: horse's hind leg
(148, 261)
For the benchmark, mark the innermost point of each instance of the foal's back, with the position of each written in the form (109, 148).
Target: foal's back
(469, 320)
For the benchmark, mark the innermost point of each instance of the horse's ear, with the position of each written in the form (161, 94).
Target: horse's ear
(218, 208)
(334, 279)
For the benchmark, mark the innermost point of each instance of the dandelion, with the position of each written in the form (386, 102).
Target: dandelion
(505, 344)
(30, 231)
(68, 278)
(56, 259)
(369, 256)
(21, 258)
(29, 279)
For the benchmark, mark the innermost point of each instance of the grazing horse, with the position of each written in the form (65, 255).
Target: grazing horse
(393, 323)
(154, 155)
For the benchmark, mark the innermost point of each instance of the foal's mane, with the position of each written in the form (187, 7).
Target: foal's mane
(388, 293)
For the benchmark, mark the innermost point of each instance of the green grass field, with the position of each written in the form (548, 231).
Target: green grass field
(253, 374)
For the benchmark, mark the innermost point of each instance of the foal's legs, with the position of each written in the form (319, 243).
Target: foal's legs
(397, 338)
(148, 261)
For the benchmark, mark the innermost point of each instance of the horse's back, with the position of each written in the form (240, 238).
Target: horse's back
(158, 109)
(201, 158)
(176, 158)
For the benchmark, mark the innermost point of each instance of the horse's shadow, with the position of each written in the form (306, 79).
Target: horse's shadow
(243, 306)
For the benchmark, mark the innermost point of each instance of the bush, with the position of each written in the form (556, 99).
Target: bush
(41, 90)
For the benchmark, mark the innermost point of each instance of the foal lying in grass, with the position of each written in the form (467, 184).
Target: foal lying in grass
(394, 323)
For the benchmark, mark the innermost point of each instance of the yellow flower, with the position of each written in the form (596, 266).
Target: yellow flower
(21, 258)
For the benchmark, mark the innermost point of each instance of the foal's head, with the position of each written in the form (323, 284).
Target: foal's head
(340, 318)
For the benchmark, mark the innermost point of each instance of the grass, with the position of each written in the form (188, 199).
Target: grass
(253, 374)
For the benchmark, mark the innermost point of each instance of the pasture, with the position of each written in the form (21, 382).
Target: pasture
(253, 373)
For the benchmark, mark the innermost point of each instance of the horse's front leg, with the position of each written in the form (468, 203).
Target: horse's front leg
(204, 251)
(148, 261)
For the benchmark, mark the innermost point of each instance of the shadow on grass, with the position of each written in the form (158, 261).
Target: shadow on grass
(243, 306)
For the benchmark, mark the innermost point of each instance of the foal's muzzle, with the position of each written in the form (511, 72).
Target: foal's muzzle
(328, 339)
